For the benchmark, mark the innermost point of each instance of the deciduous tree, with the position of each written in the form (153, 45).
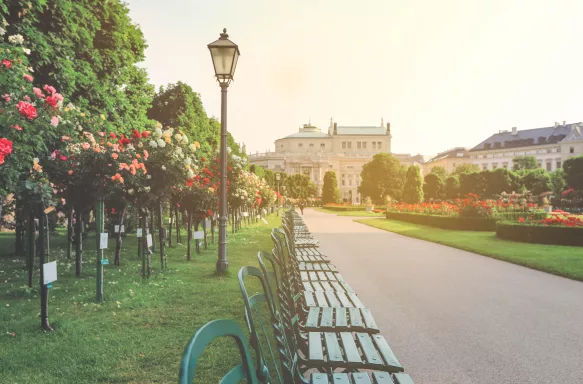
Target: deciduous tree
(382, 176)
(521, 163)
(413, 190)
(433, 186)
(330, 192)
(574, 172)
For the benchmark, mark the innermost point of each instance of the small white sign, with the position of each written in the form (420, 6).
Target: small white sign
(49, 272)
(245, 214)
(207, 223)
(149, 240)
(169, 220)
(257, 217)
(116, 228)
(198, 235)
(103, 240)
(139, 232)
(265, 221)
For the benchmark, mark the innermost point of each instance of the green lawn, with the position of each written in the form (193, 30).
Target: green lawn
(350, 213)
(139, 333)
(559, 260)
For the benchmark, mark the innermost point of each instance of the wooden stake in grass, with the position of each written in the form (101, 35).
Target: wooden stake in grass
(44, 290)
(118, 237)
(161, 234)
(189, 231)
(30, 235)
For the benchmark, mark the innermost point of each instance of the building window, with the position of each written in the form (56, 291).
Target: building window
(344, 145)
(364, 145)
(374, 145)
(358, 144)
(505, 165)
(494, 165)
(540, 163)
(559, 164)
(343, 182)
(454, 165)
(300, 145)
(349, 144)
(311, 144)
(343, 175)
(484, 166)
(350, 182)
(549, 166)
(379, 144)
(572, 150)
(322, 145)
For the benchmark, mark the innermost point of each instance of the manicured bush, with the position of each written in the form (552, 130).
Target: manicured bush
(514, 216)
(540, 234)
(345, 208)
(446, 222)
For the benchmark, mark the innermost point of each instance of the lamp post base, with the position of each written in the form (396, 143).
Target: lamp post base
(222, 266)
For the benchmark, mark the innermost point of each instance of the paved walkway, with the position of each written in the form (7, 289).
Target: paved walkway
(456, 317)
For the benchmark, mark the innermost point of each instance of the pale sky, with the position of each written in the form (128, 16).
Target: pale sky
(444, 73)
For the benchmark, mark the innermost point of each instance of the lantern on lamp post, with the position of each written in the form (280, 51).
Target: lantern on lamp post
(225, 55)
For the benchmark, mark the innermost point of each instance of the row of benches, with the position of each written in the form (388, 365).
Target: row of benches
(306, 325)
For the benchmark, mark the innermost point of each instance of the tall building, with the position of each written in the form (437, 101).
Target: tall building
(341, 149)
(550, 145)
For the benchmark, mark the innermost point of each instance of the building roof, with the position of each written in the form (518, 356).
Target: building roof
(307, 134)
(526, 137)
(360, 130)
(450, 154)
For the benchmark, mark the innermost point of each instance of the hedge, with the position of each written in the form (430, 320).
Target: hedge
(446, 222)
(514, 216)
(344, 208)
(540, 234)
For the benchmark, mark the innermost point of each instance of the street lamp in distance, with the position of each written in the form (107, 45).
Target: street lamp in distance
(225, 55)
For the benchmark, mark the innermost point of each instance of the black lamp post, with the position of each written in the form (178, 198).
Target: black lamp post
(225, 54)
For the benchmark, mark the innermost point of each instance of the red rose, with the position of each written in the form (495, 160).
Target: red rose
(209, 213)
(145, 134)
(26, 109)
(51, 100)
(135, 133)
(112, 135)
(7, 63)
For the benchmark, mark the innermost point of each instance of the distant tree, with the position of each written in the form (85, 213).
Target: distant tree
(574, 172)
(558, 181)
(466, 168)
(522, 163)
(330, 192)
(439, 171)
(381, 177)
(300, 187)
(258, 170)
(536, 181)
(452, 187)
(433, 186)
(413, 189)
(500, 180)
(474, 182)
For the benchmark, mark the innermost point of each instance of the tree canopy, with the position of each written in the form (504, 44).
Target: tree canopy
(330, 192)
(300, 187)
(439, 171)
(382, 176)
(413, 189)
(574, 172)
(521, 163)
(433, 186)
(466, 168)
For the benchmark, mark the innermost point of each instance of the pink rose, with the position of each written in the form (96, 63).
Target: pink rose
(38, 93)
(28, 77)
(55, 121)
(49, 89)
(17, 127)
(6, 97)
(86, 146)
(26, 109)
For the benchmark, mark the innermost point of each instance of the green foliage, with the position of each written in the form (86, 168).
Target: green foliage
(536, 181)
(178, 106)
(574, 172)
(522, 163)
(433, 186)
(473, 182)
(540, 234)
(300, 187)
(382, 176)
(466, 168)
(413, 189)
(500, 180)
(558, 181)
(330, 192)
(439, 171)
(88, 50)
(452, 187)
(446, 222)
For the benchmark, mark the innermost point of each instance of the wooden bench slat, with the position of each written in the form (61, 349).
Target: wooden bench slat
(360, 378)
(336, 286)
(321, 276)
(327, 317)
(307, 286)
(402, 378)
(344, 300)
(383, 378)
(310, 301)
(316, 353)
(326, 286)
(387, 353)
(331, 276)
(368, 319)
(350, 349)
(340, 378)
(313, 317)
(321, 298)
(355, 300)
(347, 287)
(333, 351)
(332, 299)
(367, 346)
(318, 286)
(319, 378)
(341, 317)
(304, 276)
(356, 322)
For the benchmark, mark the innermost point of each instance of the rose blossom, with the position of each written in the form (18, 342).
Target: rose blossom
(26, 109)
(38, 93)
(7, 63)
(55, 121)
(49, 89)
(28, 77)
(6, 97)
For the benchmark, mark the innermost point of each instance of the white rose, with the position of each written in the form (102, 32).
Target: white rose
(178, 137)
(163, 167)
(147, 189)
(161, 143)
(153, 144)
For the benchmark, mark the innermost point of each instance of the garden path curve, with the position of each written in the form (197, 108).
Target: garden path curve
(456, 317)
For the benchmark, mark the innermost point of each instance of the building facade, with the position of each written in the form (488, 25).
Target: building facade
(449, 160)
(341, 149)
(550, 145)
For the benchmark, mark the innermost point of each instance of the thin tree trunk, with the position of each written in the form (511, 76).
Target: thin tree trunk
(146, 248)
(153, 228)
(206, 245)
(30, 234)
(118, 237)
(141, 228)
(213, 226)
(178, 237)
(70, 233)
(189, 231)
(44, 291)
(20, 219)
(197, 241)
(170, 226)
(78, 242)
(161, 234)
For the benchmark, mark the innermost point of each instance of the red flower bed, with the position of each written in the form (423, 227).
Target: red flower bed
(556, 218)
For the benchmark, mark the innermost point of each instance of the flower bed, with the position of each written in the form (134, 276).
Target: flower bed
(446, 222)
(560, 228)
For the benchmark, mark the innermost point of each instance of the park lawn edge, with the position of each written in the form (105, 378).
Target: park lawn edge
(349, 213)
(562, 272)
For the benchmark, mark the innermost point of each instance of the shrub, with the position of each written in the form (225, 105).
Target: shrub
(539, 233)
(446, 222)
